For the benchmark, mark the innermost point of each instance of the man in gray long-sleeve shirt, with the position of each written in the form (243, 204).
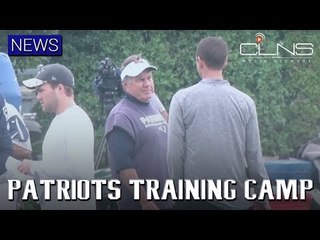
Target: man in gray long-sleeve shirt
(213, 132)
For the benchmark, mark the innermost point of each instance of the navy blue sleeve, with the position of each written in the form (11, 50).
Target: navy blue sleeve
(5, 139)
(121, 147)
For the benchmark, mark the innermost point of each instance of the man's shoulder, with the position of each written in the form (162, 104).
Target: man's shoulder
(242, 95)
(2, 102)
(124, 107)
(184, 92)
(118, 108)
(76, 113)
(12, 111)
(119, 111)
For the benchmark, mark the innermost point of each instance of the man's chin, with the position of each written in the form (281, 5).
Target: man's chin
(146, 98)
(44, 109)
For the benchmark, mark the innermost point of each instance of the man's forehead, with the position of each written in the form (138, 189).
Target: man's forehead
(41, 87)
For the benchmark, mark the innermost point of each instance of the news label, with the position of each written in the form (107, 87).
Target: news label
(35, 45)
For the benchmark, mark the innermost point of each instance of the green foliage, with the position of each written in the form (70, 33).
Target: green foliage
(285, 91)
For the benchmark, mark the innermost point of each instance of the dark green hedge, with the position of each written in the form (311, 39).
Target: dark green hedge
(285, 90)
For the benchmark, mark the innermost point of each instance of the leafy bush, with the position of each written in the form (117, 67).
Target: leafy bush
(285, 90)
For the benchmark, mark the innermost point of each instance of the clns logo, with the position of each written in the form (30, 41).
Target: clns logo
(279, 49)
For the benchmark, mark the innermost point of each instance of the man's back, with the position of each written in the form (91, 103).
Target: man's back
(217, 121)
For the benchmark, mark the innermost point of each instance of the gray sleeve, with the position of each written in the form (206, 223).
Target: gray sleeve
(156, 103)
(176, 140)
(256, 167)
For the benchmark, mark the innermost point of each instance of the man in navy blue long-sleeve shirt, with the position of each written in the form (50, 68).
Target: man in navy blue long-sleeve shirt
(5, 139)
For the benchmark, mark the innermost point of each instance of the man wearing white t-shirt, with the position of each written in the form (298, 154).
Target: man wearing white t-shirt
(68, 146)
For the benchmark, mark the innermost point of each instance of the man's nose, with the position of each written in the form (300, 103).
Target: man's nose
(146, 83)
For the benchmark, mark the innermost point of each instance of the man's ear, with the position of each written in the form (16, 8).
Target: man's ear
(200, 62)
(225, 62)
(198, 59)
(124, 85)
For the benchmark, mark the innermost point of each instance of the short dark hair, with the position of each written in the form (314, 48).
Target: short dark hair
(69, 90)
(213, 51)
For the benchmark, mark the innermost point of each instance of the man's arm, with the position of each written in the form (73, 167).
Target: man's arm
(256, 167)
(121, 147)
(20, 152)
(5, 139)
(155, 101)
(19, 133)
(176, 141)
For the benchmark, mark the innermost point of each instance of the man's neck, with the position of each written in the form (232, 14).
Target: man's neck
(64, 105)
(212, 74)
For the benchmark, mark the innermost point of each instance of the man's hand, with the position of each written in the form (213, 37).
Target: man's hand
(25, 166)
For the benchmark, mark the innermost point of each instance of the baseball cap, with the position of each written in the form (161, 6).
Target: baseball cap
(54, 73)
(133, 69)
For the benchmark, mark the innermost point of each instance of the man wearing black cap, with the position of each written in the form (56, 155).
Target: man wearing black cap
(69, 142)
